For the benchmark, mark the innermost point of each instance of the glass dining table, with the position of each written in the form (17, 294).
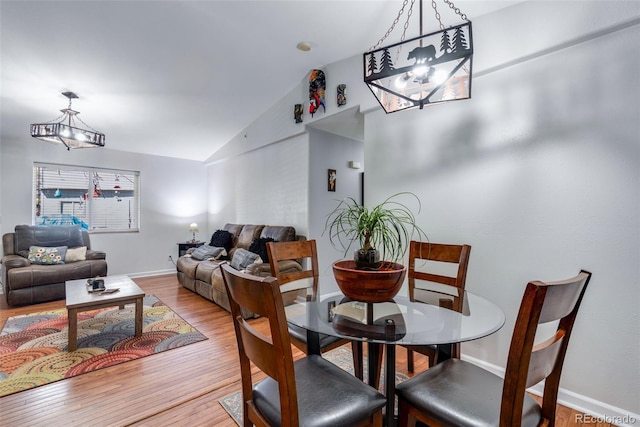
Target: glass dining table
(440, 317)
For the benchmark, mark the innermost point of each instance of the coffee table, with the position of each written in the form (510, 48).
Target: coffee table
(78, 299)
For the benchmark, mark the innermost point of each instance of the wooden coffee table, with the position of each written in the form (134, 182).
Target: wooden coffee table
(78, 299)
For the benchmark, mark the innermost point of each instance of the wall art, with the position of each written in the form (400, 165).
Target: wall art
(341, 95)
(297, 113)
(331, 180)
(317, 89)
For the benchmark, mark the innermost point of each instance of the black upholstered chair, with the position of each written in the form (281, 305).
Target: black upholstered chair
(458, 393)
(438, 253)
(310, 391)
(306, 251)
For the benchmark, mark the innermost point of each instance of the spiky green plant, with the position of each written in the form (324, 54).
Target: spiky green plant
(387, 227)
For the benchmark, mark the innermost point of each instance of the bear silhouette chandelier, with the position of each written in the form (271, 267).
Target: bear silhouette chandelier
(428, 69)
(64, 130)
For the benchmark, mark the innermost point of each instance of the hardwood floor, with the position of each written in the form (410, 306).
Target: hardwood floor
(180, 387)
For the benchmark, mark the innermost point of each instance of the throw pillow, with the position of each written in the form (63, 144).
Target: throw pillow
(242, 259)
(76, 254)
(207, 252)
(47, 255)
(259, 246)
(222, 239)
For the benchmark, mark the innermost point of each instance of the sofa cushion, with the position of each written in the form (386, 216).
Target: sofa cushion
(47, 236)
(234, 229)
(206, 252)
(259, 246)
(279, 233)
(222, 239)
(242, 258)
(188, 265)
(47, 255)
(76, 254)
(248, 233)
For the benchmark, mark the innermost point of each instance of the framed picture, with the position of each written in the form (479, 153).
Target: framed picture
(341, 95)
(297, 113)
(331, 180)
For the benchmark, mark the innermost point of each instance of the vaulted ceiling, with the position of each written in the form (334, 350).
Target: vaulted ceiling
(180, 78)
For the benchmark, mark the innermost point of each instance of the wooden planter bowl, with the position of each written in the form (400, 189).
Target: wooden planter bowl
(369, 285)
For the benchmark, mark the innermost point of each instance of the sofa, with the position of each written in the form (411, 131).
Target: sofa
(38, 260)
(202, 275)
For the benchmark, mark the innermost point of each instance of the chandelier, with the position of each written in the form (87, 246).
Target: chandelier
(427, 69)
(64, 130)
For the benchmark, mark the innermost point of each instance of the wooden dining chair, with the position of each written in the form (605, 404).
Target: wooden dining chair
(438, 253)
(309, 391)
(306, 250)
(459, 393)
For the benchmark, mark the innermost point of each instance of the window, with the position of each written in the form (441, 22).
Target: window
(99, 200)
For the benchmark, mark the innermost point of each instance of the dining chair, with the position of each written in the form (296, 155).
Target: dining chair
(309, 391)
(458, 393)
(305, 250)
(452, 255)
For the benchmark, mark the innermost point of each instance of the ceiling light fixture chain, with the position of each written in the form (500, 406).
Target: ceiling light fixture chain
(393, 25)
(406, 23)
(456, 10)
(452, 7)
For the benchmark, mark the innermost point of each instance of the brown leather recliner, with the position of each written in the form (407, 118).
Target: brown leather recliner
(26, 283)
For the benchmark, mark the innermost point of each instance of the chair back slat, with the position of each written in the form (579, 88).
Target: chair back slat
(560, 300)
(296, 250)
(435, 278)
(270, 353)
(258, 348)
(527, 365)
(543, 359)
(452, 254)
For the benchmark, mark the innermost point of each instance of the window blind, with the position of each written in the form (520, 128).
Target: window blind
(99, 200)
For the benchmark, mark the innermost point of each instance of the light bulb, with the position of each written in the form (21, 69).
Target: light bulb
(401, 81)
(440, 76)
(420, 70)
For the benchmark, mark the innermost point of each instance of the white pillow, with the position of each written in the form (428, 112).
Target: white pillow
(76, 254)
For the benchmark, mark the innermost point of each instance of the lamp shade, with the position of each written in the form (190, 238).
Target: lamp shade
(429, 69)
(64, 130)
(193, 228)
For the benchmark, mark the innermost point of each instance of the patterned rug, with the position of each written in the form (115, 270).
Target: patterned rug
(33, 347)
(341, 357)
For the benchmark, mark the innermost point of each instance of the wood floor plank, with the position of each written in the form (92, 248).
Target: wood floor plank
(179, 387)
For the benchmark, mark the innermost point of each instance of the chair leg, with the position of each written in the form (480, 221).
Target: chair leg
(375, 353)
(409, 360)
(404, 420)
(356, 351)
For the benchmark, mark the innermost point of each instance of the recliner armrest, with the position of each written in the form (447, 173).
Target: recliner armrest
(92, 255)
(15, 261)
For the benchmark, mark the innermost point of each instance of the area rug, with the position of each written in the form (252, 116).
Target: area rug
(33, 347)
(341, 357)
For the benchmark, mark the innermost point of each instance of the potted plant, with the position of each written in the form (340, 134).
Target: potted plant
(384, 229)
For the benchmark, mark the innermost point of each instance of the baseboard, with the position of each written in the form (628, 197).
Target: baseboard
(596, 411)
(151, 273)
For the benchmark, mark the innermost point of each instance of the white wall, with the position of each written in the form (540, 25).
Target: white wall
(173, 194)
(268, 185)
(329, 151)
(539, 172)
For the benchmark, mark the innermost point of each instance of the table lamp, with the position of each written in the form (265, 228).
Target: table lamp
(193, 228)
